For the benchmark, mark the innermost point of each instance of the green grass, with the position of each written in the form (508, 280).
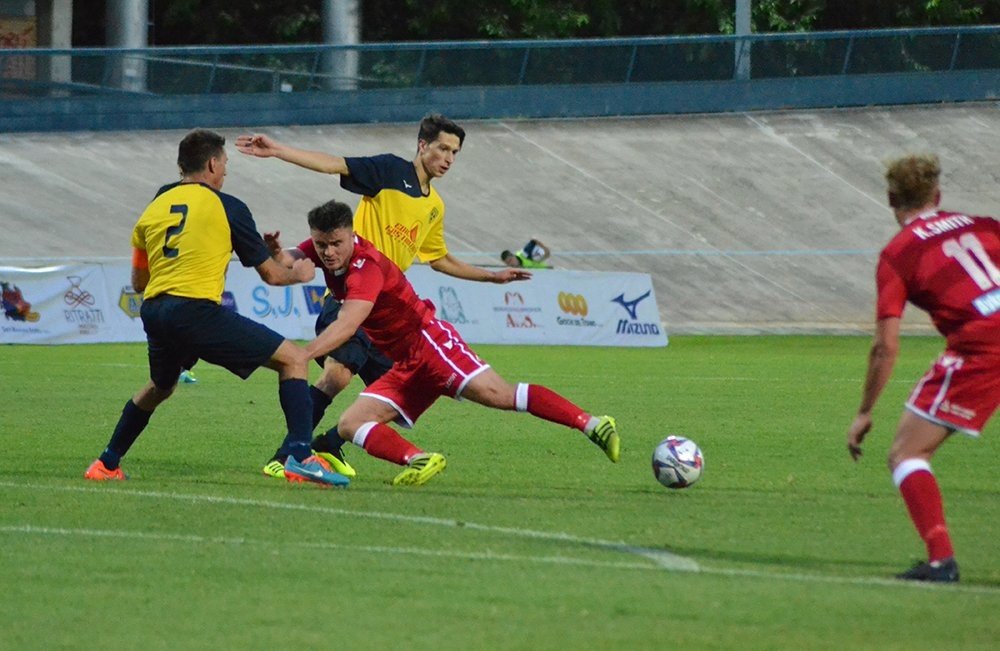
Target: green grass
(516, 545)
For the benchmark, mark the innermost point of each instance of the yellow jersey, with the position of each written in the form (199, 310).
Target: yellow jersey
(189, 232)
(394, 214)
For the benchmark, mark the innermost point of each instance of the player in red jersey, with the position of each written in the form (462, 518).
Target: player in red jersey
(947, 264)
(430, 359)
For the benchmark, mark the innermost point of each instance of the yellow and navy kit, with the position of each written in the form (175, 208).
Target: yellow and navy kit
(189, 232)
(394, 214)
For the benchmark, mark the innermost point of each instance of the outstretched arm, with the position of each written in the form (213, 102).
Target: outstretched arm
(452, 266)
(881, 359)
(350, 317)
(275, 273)
(263, 146)
(284, 257)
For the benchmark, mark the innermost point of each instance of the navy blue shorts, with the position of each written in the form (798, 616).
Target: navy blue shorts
(357, 353)
(180, 331)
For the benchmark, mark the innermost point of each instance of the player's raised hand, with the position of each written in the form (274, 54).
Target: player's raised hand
(256, 145)
(273, 242)
(509, 275)
(856, 434)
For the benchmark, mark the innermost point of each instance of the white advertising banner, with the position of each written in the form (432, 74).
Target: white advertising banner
(555, 307)
(84, 302)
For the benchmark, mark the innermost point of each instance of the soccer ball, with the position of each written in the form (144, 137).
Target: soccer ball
(677, 462)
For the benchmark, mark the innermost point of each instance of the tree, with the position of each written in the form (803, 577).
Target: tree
(184, 22)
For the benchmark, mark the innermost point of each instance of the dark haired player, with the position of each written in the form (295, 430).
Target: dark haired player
(402, 215)
(430, 358)
(182, 246)
(947, 264)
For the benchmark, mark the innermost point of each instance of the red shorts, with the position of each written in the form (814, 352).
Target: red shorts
(442, 364)
(959, 392)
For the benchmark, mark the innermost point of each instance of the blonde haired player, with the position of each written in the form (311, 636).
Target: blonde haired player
(947, 264)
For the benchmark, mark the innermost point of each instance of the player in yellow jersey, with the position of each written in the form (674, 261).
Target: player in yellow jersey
(182, 245)
(402, 214)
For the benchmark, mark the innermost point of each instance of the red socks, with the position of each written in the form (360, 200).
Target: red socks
(546, 403)
(920, 491)
(381, 441)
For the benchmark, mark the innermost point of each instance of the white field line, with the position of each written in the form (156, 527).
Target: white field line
(371, 549)
(488, 556)
(661, 560)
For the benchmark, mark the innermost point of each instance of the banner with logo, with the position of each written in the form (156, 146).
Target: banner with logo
(554, 307)
(93, 303)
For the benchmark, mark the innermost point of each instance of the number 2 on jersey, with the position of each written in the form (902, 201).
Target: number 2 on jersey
(969, 252)
(182, 210)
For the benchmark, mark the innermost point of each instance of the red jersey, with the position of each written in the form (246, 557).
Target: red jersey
(946, 264)
(398, 314)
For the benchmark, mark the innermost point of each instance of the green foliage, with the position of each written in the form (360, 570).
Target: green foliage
(527, 541)
(186, 22)
(940, 12)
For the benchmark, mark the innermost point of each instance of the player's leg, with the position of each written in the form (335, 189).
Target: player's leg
(365, 423)
(489, 389)
(334, 379)
(165, 363)
(338, 369)
(329, 445)
(909, 461)
(291, 363)
(133, 420)
(241, 346)
(958, 394)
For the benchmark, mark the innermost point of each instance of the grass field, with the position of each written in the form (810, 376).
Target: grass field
(530, 539)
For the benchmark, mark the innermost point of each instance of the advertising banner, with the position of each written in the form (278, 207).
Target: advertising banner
(84, 302)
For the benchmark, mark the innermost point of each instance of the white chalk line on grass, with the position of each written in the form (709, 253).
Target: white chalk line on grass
(662, 558)
(372, 549)
(487, 556)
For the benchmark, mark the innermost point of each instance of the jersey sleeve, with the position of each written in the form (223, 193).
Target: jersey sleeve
(433, 247)
(247, 241)
(138, 238)
(891, 291)
(364, 281)
(367, 174)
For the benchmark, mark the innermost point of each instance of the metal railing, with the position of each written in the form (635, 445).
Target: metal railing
(308, 68)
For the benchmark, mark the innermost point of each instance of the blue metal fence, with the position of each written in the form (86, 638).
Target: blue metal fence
(609, 75)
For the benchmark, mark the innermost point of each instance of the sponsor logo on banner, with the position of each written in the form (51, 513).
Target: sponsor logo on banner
(81, 311)
(451, 307)
(632, 325)
(314, 297)
(15, 307)
(518, 311)
(129, 301)
(229, 302)
(273, 302)
(576, 306)
(525, 321)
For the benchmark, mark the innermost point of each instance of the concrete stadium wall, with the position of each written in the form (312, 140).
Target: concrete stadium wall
(747, 222)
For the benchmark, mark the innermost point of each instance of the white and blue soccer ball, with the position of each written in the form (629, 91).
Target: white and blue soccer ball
(677, 462)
